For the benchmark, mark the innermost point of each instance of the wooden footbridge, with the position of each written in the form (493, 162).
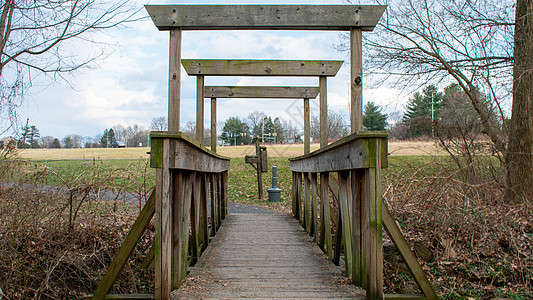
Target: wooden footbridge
(337, 210)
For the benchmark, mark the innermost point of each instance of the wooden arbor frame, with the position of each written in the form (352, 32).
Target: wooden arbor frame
(176, 18)
(294, 68)
(352, 18)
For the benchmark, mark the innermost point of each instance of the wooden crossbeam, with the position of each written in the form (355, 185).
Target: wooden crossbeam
(261, 17)
(242, 67)
(281, 92)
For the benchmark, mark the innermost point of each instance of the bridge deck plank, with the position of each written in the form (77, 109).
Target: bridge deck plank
(262, 254)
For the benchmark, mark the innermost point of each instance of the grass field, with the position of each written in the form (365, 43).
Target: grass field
(396, 148)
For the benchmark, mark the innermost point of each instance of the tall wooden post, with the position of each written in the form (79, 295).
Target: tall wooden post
(323, 111)
(374, 236)
(214, 124)
(307, 127)
(200, 109)
(174, 80)
(163, 230)
(356, 80)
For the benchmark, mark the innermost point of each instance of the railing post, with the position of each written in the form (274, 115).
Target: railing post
(163, 238)
(374, 236)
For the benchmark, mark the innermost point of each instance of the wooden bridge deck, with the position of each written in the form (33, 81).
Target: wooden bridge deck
(258, 253)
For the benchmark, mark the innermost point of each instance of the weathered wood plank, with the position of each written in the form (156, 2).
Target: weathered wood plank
(356, 80)
(307, 127)
(195, 219)
(278, 92)
(200, 109)
(314, 203)
(182, 238)
(127, 247)
(204, 220)
(405, 297)
(374, 253)
(351, 152)
(186, 154)
(224, 194)
(174, 80)
(213, 197)
(126, 297)
(344, 198)
(178, 186)
(295, 202)
(358, 225)
(240, 67)
(338, 236)
(325, 216)
(308, 222)
(277, 17)
(405, 251)
(323, 111)
(163, 240)
(262, 263)
(214, 125)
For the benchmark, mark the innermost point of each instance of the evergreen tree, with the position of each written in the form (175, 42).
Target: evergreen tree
(111, 137)
(278, 130)
(104, 139)
(235, 132)
(25, 132)
(418, 115)
(33, 137)
(56, 144)
(373, 117)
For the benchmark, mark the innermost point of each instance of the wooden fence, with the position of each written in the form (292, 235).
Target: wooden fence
(336, 195)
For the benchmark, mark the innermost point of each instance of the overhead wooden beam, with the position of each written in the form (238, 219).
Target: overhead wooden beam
(261, 17)
(240, 67)
(281, 92)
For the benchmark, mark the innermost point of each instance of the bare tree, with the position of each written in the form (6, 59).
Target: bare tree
(520, 154)
(255, 121)
(37, 37)
(159, 124)
(472, 43)
(337, 126)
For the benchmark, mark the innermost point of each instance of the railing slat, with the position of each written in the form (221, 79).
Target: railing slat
(204, 213)
(358, 223)
(315, 207)
(344, 194)
(325, 217)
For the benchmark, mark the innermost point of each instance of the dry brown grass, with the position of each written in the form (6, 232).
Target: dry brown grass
(396, 148)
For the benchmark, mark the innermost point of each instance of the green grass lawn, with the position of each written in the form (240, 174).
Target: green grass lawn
(242, 185)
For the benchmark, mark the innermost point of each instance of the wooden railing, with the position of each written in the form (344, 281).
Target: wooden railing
(337, 197)
(189, 203)
(190, 182)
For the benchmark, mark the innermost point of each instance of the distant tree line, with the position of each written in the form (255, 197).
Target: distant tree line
(132, 136)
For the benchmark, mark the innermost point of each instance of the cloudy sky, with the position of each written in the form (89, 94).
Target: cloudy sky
(130, 85)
